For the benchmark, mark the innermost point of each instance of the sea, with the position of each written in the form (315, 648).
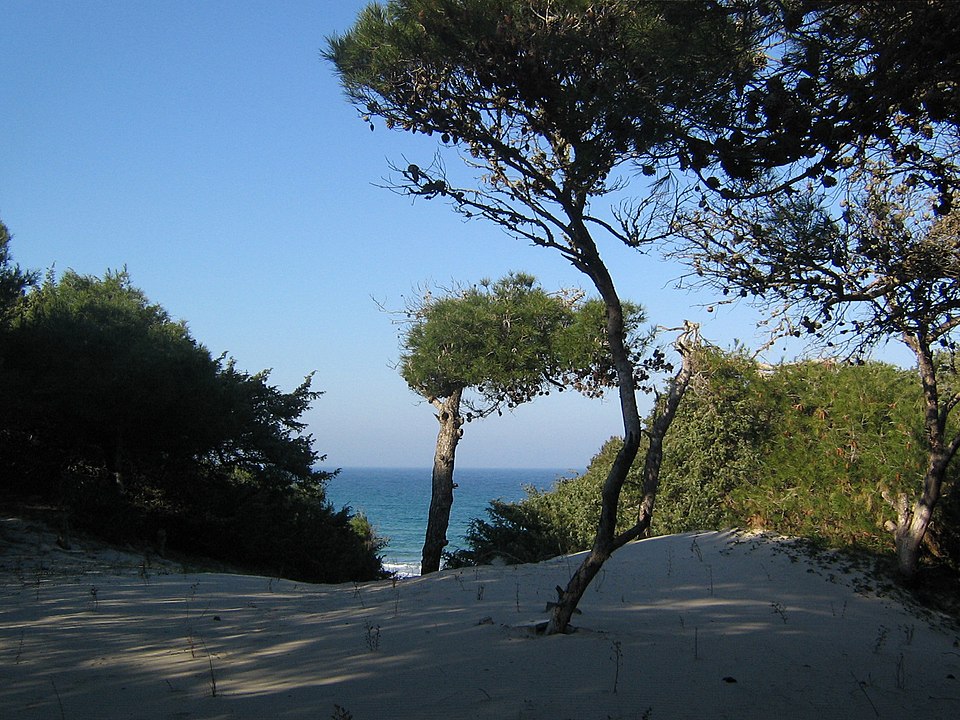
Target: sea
(396, 501)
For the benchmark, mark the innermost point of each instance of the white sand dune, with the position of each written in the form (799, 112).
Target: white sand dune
(705, 626)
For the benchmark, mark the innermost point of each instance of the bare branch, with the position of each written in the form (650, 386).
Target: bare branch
(688, 346)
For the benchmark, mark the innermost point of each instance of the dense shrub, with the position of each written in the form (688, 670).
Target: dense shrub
(807, 449)
(844, 434)
(714, 445)
(110, 410)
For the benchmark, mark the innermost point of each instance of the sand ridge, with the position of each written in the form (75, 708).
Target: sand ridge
(709, 625)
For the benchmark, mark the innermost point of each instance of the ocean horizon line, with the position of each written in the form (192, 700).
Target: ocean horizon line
(396, 502)
(427, 468)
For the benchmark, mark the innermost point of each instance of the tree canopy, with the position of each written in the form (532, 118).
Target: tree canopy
(831, 82)
(548, 98)
(875, 263)
(113, 412)
(13, 280)
(495, 345)
(510, 341)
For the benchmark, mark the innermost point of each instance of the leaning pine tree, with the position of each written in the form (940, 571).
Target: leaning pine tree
(476, 351)
(550, 102)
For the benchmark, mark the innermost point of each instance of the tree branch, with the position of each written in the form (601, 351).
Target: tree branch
(688, 345)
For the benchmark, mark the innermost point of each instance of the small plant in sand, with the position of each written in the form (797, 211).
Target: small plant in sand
(901, 673)
(341, 713)
(373, 636)
(882, 633)
(843, 610)
(59, 701)
(617, 658)
(213, 676)
(908, 631)
(862, 684)
(38, 577)
(780, 610)
(191, 643)
(695, 549)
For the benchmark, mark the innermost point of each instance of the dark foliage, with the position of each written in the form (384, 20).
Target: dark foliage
(509, 342)
(111, 411)
(831, 81)
(13, 280)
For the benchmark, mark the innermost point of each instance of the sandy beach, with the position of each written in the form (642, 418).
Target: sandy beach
(711, 625)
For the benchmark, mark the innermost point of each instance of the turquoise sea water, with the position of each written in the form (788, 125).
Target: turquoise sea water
(396, 501)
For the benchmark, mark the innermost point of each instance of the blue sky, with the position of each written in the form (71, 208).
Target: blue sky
(207, 147)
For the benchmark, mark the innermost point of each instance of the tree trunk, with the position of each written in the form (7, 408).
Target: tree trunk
(912, 523)
(665, 410)
(604, 544)
(909, 536)
(607, 542)
(441, 496)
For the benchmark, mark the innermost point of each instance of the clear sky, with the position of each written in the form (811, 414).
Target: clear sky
(207, 147)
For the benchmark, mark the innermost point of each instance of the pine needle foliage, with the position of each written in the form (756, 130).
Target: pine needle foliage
(809, 449)
(508, 342)
(113, 413)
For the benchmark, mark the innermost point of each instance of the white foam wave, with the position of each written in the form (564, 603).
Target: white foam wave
(403, 569)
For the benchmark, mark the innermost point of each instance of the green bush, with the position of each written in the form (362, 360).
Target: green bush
(112, 411)
(806, 449)
(844, 434)
(714, 445)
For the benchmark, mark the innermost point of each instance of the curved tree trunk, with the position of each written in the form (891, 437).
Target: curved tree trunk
(912, 523)
(589, 262)
(605, 541)
(441, 496)
(912, 527)
(605, 545)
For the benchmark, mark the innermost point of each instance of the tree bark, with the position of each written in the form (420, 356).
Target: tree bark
(607, 542)
(441, 496)
(666, 410)
(587, 259)
(910, 533)
(912, 523)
